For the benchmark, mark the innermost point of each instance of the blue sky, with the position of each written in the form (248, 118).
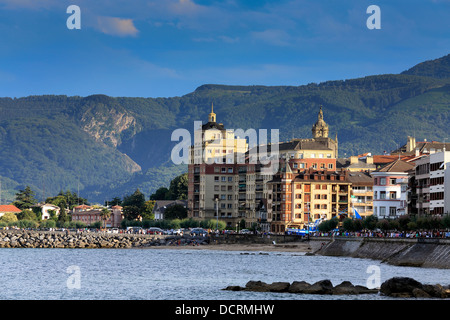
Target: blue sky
(168, 48)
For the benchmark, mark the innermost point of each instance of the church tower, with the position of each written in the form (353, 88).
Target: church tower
(320, 128)
(212, 115)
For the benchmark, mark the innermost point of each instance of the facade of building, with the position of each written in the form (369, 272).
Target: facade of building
(236, 190)
(297, 198)
(361, 193)
(390, 187)
(88, 215)
(432, 184)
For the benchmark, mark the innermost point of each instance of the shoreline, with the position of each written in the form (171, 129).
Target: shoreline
(298, 248)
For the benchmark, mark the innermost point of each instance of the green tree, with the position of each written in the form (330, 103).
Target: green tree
(134, 205)
(27, 215)
(178, 189)
(148, 214)
(370, 222)
(160, 194)
(25, 198)
(176, 211)
(105, 214)
(8, 217)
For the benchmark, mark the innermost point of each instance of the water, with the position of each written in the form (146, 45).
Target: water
(182, 274)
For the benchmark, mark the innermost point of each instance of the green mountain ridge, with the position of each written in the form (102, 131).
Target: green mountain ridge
(107, 147)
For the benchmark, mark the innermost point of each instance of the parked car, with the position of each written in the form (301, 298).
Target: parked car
(155, 230)
(199, 232)
(245, 231)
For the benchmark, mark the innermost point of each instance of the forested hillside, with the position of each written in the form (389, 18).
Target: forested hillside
(108, 147)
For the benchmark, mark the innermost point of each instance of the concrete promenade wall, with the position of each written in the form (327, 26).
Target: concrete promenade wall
(421, 252)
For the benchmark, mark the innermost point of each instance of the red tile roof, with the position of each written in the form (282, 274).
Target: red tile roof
(9, 208)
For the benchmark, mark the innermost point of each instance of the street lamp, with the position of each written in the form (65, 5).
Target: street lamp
(217, 213)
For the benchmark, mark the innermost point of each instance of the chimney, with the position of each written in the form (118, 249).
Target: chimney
(353, 159)
(369, 160)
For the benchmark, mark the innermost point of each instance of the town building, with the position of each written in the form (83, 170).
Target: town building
(236, 190)
(297, 198)
(390, 187)
(90, 215)
(431, 186)
(361, 193)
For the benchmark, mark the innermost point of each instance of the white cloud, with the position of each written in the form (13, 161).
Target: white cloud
(117, 26)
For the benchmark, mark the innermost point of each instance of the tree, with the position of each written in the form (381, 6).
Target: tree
(148, 214)
(134, 205)
(176, 211)
(178, 189)
(160, 194)
(370, 222)
(27, 215)
(8, 217)
(25, 198)
(116, 201)
(63, 217)
(105, 214)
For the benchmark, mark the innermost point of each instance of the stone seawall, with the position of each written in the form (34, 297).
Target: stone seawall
(426, 252)
(60, 239)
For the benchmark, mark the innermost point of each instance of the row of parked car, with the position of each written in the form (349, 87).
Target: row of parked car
(159, 231)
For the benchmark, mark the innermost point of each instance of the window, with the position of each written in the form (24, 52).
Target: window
(216, 188)
(382, 194)
(382, 211)
(392, 181)
(330, 166)
(383, 181)
(224, 179)
(313, 155)
(216, 178)
(224, 170)
(392, 195)
(392, 211)
(320, 155)
(230, 179)
(230, 197)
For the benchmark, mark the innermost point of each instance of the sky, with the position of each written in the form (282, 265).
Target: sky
(168, 48)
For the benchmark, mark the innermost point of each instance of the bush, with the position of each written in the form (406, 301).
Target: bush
(328, 225)
(47, 224)
(370, 222)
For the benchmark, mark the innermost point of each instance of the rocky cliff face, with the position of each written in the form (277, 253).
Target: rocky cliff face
(108, 127)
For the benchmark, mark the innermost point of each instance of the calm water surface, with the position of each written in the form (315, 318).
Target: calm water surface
(182, 274)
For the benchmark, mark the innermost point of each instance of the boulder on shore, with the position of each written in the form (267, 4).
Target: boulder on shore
(404, 287)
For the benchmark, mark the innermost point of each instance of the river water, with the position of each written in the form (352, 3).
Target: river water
(182, 274)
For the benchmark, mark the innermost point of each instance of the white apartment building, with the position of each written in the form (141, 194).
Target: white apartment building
(390, 189)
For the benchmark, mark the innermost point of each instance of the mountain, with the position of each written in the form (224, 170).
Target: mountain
(106, 147)
(438, 68)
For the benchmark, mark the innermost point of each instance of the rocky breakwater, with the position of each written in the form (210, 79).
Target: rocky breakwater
(397, 287)
(324, 287)
(45, 239)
